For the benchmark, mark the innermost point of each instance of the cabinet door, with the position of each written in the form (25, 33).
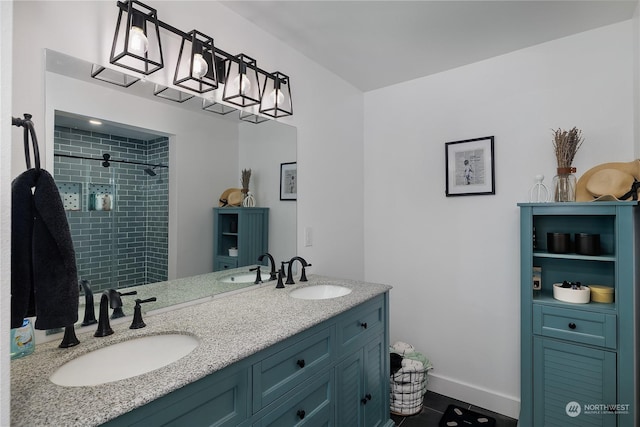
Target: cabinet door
(349, 390)
(376, 395)
(570, 382)
(361, 391)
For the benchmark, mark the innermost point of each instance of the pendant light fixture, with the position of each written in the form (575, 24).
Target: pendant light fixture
(171, 94)
(242, 86)
(196, 68)
(112, 76)
(201, 67)
(276, 96)
(216, 107)
(136, 42)
(250, 117)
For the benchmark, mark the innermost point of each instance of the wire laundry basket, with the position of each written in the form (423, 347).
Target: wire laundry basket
(407, 390)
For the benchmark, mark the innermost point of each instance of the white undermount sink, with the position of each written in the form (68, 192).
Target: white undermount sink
(320, 292)
(124, 360)
(244, 278)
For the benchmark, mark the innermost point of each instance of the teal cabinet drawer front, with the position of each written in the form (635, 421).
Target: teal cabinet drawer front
(278, 373)
(311, 405)
(575, 325)
(226, 263)
(360, 324)
(219, 400)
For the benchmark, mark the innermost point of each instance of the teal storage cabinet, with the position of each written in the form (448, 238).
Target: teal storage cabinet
(335, 373)
(580, 364)
(246, 229)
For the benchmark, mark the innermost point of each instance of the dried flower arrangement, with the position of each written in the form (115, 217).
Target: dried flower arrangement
(246, 176)
(566, 145)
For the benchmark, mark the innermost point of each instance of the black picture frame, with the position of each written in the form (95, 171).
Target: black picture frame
(289, 181)
(470, 167)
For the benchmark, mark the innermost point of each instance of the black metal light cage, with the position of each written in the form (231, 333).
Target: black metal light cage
(185, 76)
(242, 84)
(137, 14)
(222, 66)
(275, 100)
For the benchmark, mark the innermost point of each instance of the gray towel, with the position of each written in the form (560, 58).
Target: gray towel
(44, 278)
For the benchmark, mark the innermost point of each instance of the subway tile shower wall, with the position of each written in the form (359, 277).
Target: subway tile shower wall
(127, 244)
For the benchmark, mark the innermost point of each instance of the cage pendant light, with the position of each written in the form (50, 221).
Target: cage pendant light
(276, 96)
(136, 42)
(196, 68)
(242, 86)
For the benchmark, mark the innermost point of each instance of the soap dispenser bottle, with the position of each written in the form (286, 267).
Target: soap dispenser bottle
(23, 340)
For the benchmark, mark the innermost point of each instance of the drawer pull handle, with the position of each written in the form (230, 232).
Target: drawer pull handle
(364, 325)
(300, 363)
(300, 414)
(365, 399)
(572, 325)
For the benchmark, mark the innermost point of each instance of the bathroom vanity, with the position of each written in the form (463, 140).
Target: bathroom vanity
(264, 358)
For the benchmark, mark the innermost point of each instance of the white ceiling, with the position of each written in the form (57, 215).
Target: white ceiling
(373, 44)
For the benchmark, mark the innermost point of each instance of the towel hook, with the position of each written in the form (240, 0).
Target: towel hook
(28, 130)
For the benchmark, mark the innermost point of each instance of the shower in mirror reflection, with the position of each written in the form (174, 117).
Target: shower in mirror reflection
(127, 244)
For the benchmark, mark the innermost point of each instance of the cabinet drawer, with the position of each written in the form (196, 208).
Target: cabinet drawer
(226, 263)
(359, 324)
(575, 325)
(280, 372)
(217, 400)
(311, 405)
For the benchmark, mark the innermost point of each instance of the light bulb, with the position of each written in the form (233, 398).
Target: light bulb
(199, 66)
(277, 97)
(138, 42)
(246, 84)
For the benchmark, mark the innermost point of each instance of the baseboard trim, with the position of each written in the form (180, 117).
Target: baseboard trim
(477, 396)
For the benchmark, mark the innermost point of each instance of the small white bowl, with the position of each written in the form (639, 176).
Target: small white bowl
(233, 252)
(576, 296)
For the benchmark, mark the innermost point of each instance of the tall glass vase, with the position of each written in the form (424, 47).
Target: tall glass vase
(564, 185)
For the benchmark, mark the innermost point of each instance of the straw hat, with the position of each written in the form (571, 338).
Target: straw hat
(608, 181)
(231, 197)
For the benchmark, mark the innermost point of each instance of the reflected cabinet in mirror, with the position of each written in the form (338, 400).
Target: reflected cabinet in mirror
(140, 176)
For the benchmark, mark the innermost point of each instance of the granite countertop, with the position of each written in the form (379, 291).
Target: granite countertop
(230, 328)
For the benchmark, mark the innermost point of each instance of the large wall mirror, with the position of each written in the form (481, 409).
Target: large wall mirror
(140, 187)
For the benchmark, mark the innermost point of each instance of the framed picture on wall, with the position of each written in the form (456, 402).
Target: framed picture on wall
(289, 181)
(470, 167)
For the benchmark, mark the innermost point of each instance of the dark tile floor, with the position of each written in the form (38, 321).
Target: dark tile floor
(434, 406)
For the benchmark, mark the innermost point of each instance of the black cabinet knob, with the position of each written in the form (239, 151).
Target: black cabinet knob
(300, 363)
(364, 325)
(301, 414)
(365, 399)
(572, 325)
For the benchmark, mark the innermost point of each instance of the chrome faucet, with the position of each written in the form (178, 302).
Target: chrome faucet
(303, 276)
(273, 276)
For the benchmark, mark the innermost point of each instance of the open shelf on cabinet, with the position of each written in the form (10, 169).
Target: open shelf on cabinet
(545, 297)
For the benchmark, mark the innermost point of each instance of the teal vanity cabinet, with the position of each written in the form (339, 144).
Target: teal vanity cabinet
(580, 362)
(245, 229)
(335, 373)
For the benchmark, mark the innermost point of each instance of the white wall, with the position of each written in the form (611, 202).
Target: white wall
(6, 132)
(454, 262)
(263, 148)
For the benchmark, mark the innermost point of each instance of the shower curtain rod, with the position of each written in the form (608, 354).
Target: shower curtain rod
(109, 160)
